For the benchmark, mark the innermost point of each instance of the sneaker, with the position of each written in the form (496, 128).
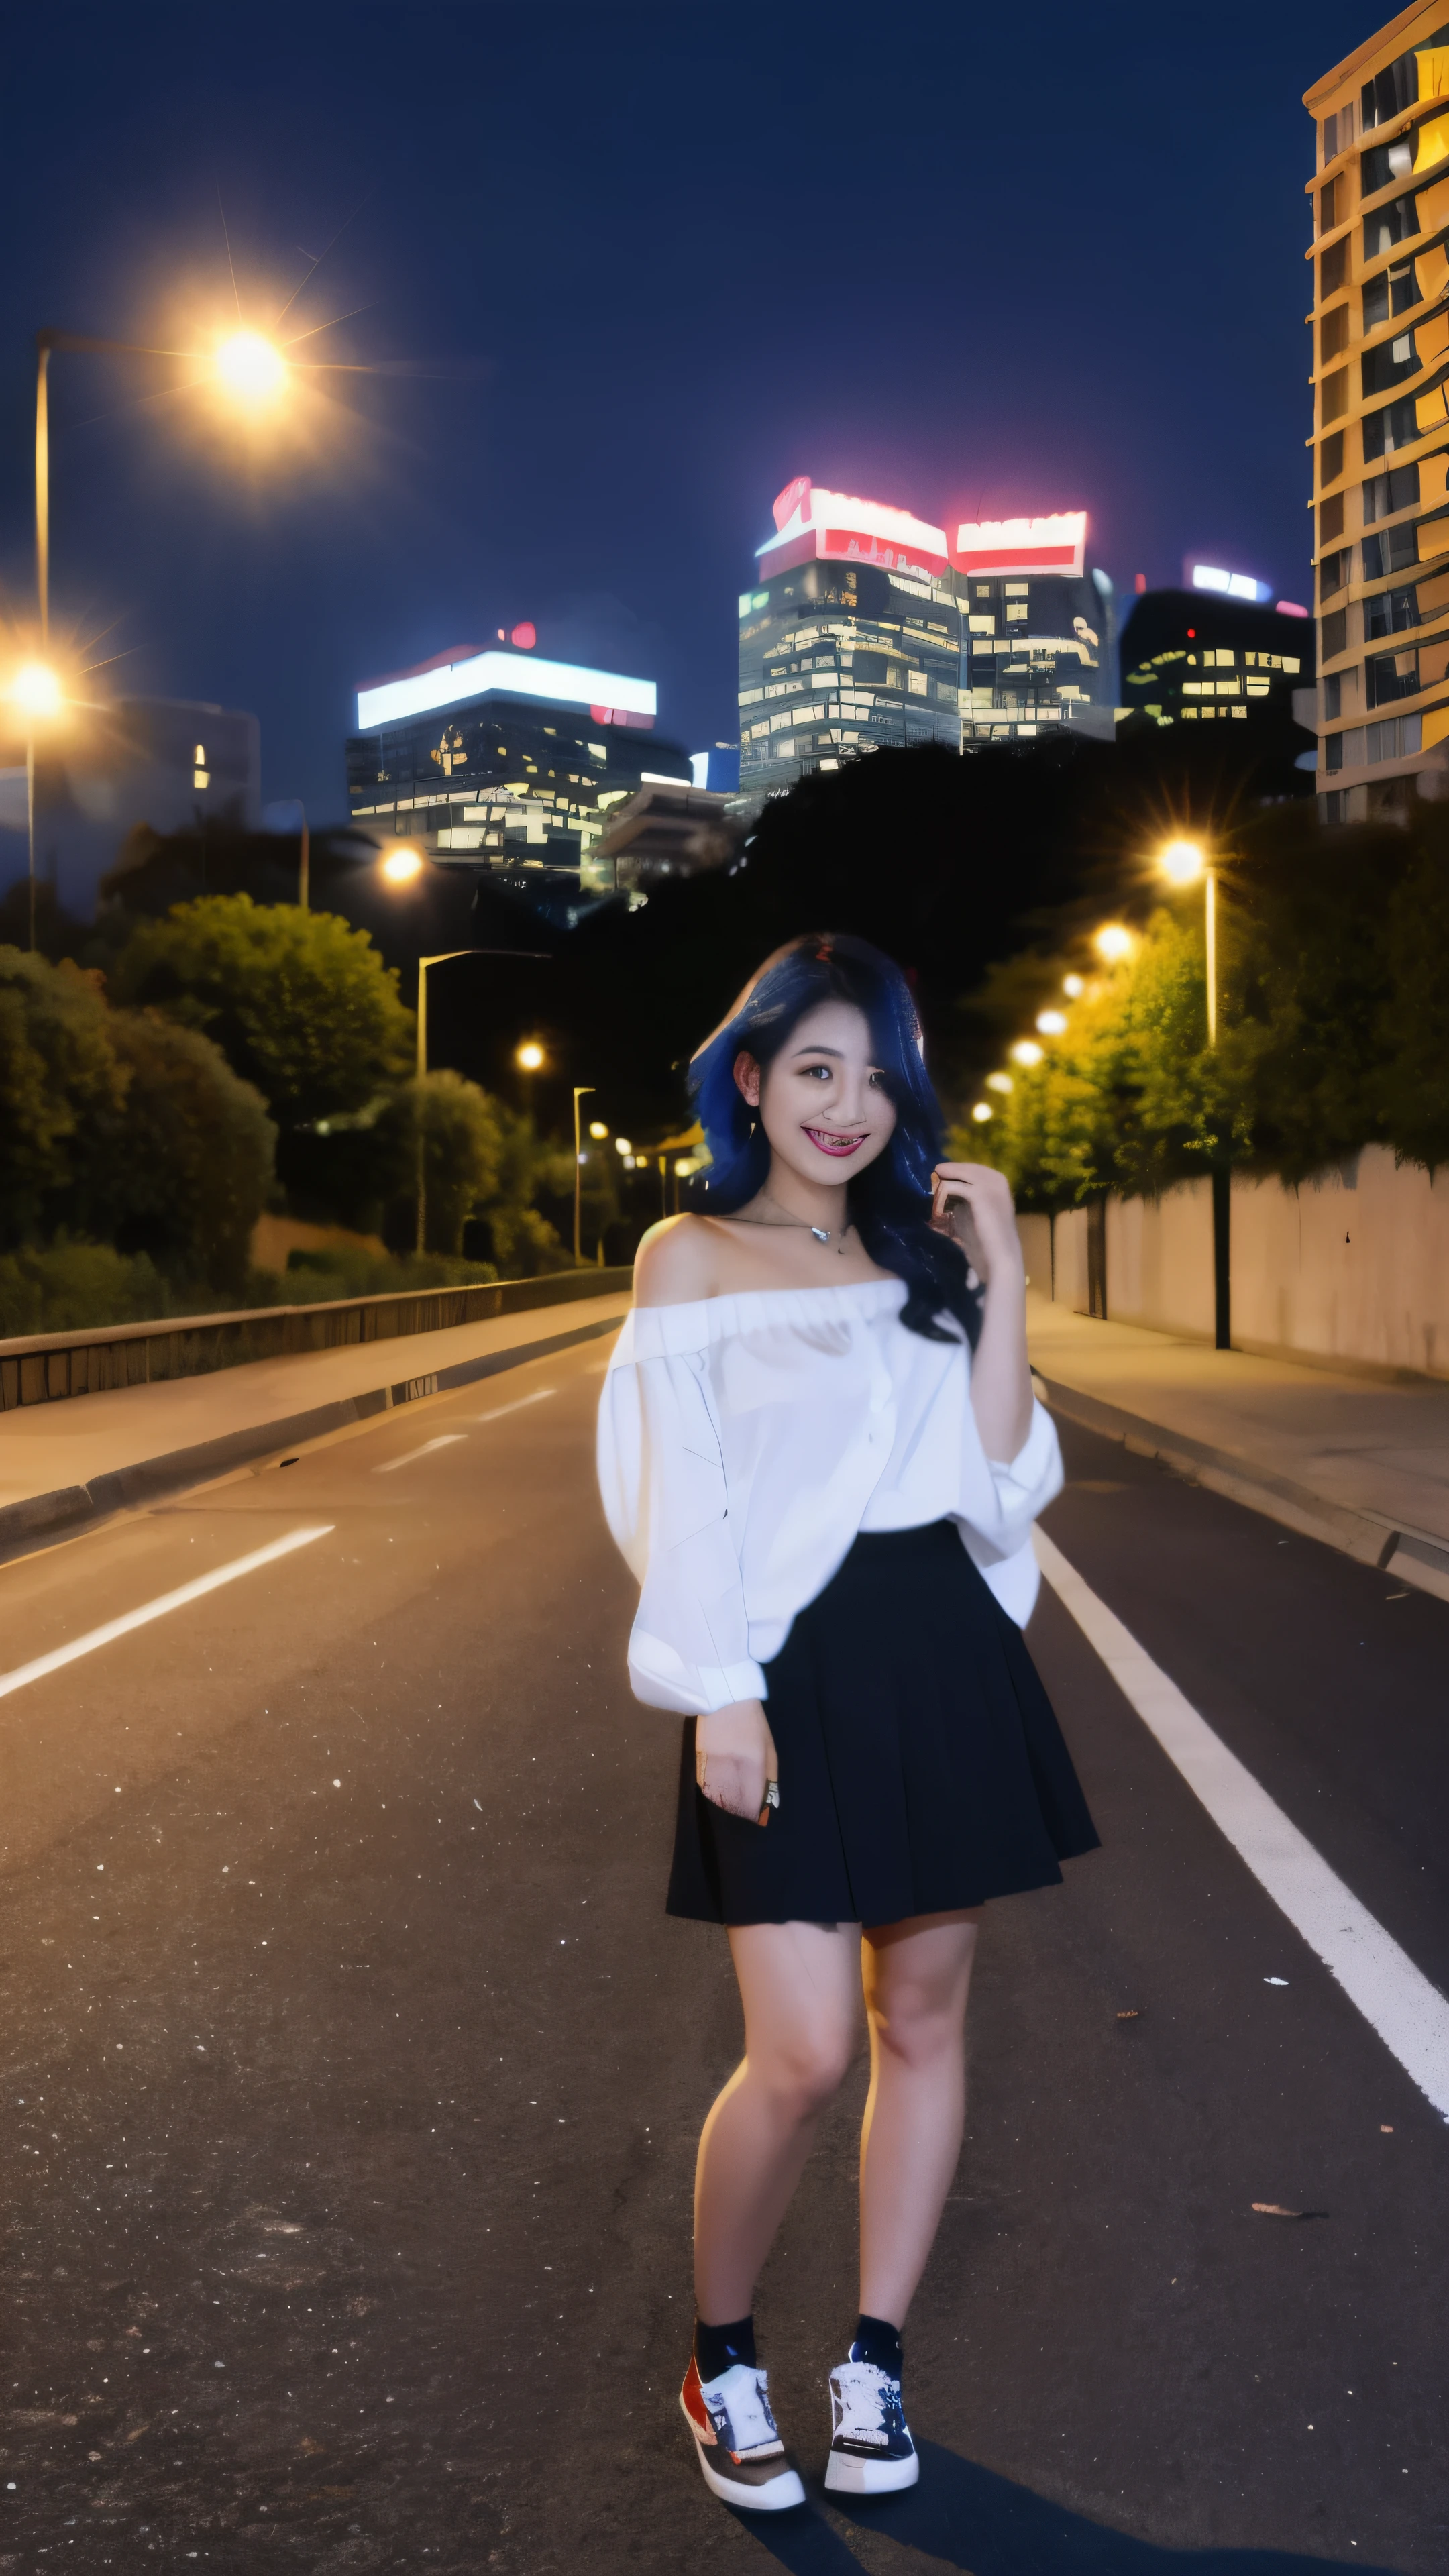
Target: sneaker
(871, 2451)
(740, 2451)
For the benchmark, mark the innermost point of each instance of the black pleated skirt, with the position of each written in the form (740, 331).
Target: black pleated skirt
(922, 1769)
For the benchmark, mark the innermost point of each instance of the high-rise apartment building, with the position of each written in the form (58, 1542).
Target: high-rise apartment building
(868, 627)
(1380, 198)
(503, 759)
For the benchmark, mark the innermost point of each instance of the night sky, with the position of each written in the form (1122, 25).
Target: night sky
(622, 272)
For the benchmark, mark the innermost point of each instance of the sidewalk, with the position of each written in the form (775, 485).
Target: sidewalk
(64, 1464)
(1361, 1464)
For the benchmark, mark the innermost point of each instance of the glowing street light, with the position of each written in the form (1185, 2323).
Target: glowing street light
(1113, 942)
(401, 866)
(1073, 986)
(981, 1111)
(1026, 1051)
(622, 1145)
(1182, 862)
(598, 1130)
(1001, 1082)
(1052, 1024)
(529, 1056)
(250, 369)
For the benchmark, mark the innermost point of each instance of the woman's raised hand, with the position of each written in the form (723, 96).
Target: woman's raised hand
(973, 1202)
(735, 1762)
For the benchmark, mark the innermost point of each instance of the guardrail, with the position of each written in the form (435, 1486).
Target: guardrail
(45, 1368)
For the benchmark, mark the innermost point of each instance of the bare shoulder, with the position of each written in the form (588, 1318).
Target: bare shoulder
(675, 1263)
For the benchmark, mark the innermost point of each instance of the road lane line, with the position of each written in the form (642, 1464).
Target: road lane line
(516, 1406)
(1409, 2014)
(157, 1609)
(444, 1440)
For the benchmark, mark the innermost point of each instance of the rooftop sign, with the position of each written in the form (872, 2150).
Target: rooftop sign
(1055, 545)
(509, 675)
(839, 527)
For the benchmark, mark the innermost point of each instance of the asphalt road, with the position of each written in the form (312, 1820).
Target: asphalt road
(352, 2072)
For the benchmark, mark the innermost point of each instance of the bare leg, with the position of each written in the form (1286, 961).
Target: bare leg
(917, 1977)
(798, 1987)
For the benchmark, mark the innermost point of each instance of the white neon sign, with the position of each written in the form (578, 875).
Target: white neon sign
(1055, 545)
(514, 675)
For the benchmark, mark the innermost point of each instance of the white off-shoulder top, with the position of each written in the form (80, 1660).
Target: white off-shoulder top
(745, 1441)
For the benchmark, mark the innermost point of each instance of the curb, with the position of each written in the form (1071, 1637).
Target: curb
(1415, 1556)
(69, 1509)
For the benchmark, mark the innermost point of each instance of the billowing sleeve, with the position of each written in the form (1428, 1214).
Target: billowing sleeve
(1000, 1503)
(662, 1479)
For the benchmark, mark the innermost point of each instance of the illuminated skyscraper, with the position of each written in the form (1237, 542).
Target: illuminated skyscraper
(504, 759)
(868, 627)
(1380, 197)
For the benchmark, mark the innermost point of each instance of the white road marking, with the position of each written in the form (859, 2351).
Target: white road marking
(444, 1440)
(1409, 2014)
(157, 1609)
(516, 1406)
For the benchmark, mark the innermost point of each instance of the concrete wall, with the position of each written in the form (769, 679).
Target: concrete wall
(1352, 1266)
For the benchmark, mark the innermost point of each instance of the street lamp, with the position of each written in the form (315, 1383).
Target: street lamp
(441, 959)
(1026, 1051)
(1112, 942)
(400, 866)
(38, 694)
(1182, 863)
(582, 1091)
(247, 366)
(529, 1056)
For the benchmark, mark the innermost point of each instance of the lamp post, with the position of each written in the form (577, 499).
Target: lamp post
(247, 365)
(1182, 863)
(441, 959)
(582, 1091)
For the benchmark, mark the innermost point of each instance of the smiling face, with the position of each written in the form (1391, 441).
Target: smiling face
(822, 1100)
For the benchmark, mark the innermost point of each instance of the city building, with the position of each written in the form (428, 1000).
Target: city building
(1213, 656)
(1380, 200)
(867, 627)
(501, 759)
(172, 763)
(667, 832)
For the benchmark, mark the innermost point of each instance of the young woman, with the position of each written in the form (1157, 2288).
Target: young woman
(820, 1453)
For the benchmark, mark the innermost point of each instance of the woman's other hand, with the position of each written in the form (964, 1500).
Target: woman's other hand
(973, 1202)
(735, 1761)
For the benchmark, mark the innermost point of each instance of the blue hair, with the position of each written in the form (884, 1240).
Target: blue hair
(889, 1202)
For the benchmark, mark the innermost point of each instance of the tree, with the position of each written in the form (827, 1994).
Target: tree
(59, 1077)
(300, 1004)
(182, 1168)
(462, 1146)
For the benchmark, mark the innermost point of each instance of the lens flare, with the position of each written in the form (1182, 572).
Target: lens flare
(250, 368)
(36, 690)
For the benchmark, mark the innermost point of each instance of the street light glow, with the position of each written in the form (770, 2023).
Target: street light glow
(36, 690)
(401, 866)
(598, 1130)
(250, 368)
(1051, 1023)
(1026, 1051)
(982, 1111)
(529, 1056)
(1182, 862)
(1113, 942)
(623, 1146)
(1001, 1082)
(1072, 985)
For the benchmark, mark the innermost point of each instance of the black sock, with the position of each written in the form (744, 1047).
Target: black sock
(877, 2342)
(718, 2348)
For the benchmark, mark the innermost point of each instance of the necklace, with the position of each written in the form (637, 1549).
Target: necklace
(793, 1225)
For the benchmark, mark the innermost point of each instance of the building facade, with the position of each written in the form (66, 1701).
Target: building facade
(867, 627)
(1194, 657)
(500, 759)
(1380, 267)
(176, 764)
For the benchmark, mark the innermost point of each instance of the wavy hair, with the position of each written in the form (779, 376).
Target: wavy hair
(889, 1202)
